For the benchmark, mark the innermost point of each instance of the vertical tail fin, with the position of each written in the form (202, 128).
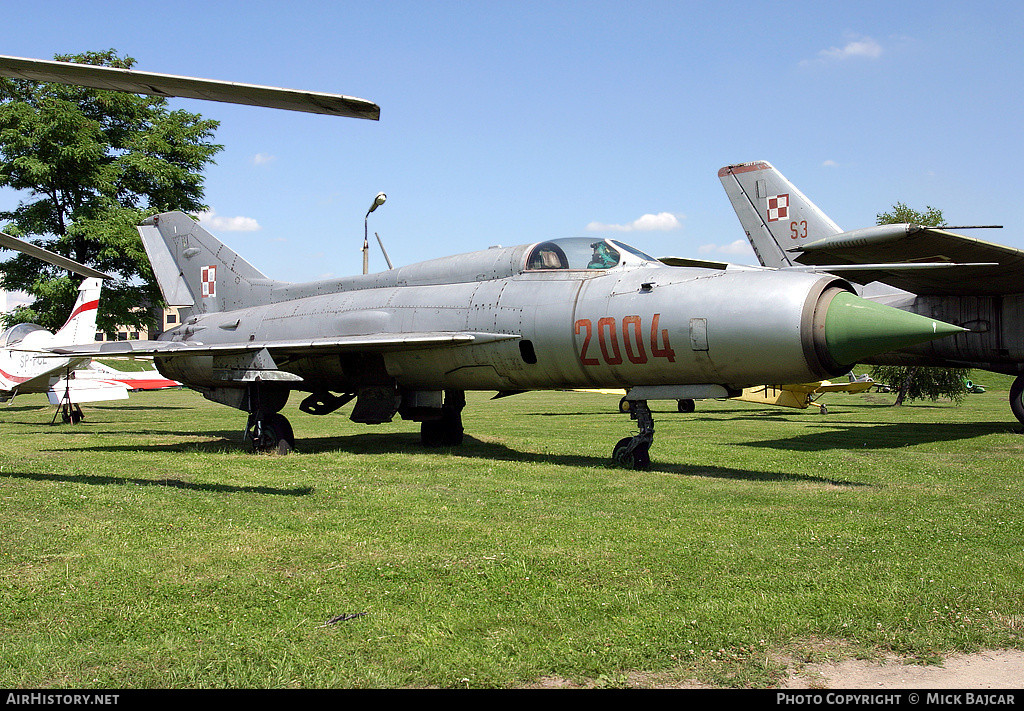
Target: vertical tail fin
(775, 215)
(195, 270)
(81, 325)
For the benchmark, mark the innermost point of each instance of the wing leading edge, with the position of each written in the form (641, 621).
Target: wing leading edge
(136, 82)
(379, 343)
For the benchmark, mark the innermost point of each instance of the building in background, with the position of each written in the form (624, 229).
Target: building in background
(167, 318)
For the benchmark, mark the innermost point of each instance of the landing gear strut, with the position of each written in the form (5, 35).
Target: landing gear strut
(634, 452)
(69, 412)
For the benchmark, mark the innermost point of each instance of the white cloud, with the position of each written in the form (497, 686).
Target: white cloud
(830, 164)
(10, 300)
(856, 47)
(866, 47)
(740, 246)
(217, 223)
(263, 159)
(662, 222)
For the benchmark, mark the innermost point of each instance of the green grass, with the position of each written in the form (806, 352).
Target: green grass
(146, 548)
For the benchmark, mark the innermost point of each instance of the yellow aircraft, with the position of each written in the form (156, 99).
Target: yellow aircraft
(799, 396)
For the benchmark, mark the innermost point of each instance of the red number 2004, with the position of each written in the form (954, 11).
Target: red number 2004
(632, 347)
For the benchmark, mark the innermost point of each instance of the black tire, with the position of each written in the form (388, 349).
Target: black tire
(1017, 398)
(445, 432)
(686, 405)
(276, 435)
(625, 406)
(639, 459)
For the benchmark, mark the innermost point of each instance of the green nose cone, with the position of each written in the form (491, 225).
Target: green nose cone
(856, 328)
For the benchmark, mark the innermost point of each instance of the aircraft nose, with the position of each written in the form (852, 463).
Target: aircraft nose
(856, 328)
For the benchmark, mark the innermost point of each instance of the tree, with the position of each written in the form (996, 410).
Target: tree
(913, 382)
(94, 164)
(931, 217)
(917, 383)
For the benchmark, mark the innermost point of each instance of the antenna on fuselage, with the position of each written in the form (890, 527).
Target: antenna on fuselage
(386, 258)
(377, 202)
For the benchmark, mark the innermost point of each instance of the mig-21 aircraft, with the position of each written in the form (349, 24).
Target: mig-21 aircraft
(410, 341)
(984, 294)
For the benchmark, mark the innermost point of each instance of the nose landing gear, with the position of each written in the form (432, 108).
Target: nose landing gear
(634, 452)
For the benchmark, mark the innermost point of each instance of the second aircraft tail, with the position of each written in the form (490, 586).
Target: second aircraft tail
(81, 324)
(775, 215)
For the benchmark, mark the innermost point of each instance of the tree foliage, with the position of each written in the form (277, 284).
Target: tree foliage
(913, 382)
(917, 383)
(93, 164)
(931, 217)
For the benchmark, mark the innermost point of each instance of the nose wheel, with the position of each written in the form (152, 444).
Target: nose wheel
(634, 452)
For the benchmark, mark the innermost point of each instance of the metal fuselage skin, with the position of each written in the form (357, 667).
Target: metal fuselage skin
(21, 367)
(638, 323)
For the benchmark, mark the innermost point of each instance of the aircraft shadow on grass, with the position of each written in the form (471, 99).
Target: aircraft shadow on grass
(872, 435)
(832, 436)
(28, 416)
(849, 434)
(105, 480)
(409, 443)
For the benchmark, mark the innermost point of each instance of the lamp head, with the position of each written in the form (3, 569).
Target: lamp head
(377, 202)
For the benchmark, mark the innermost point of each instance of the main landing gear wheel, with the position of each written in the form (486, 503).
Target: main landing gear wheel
(686, 405)
(271, 434)
(445, 431)
(71, 414)
(1017, 398)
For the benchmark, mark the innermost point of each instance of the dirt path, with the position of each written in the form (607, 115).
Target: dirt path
(986, 670)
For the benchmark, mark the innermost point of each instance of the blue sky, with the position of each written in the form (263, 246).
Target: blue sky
(512, 122)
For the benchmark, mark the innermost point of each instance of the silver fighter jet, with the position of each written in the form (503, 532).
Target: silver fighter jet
(559, 314)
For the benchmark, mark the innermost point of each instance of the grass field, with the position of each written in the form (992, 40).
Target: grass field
(144, 547)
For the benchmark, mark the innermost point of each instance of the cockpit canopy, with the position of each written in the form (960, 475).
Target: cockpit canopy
(16, 334)
(583, 253)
